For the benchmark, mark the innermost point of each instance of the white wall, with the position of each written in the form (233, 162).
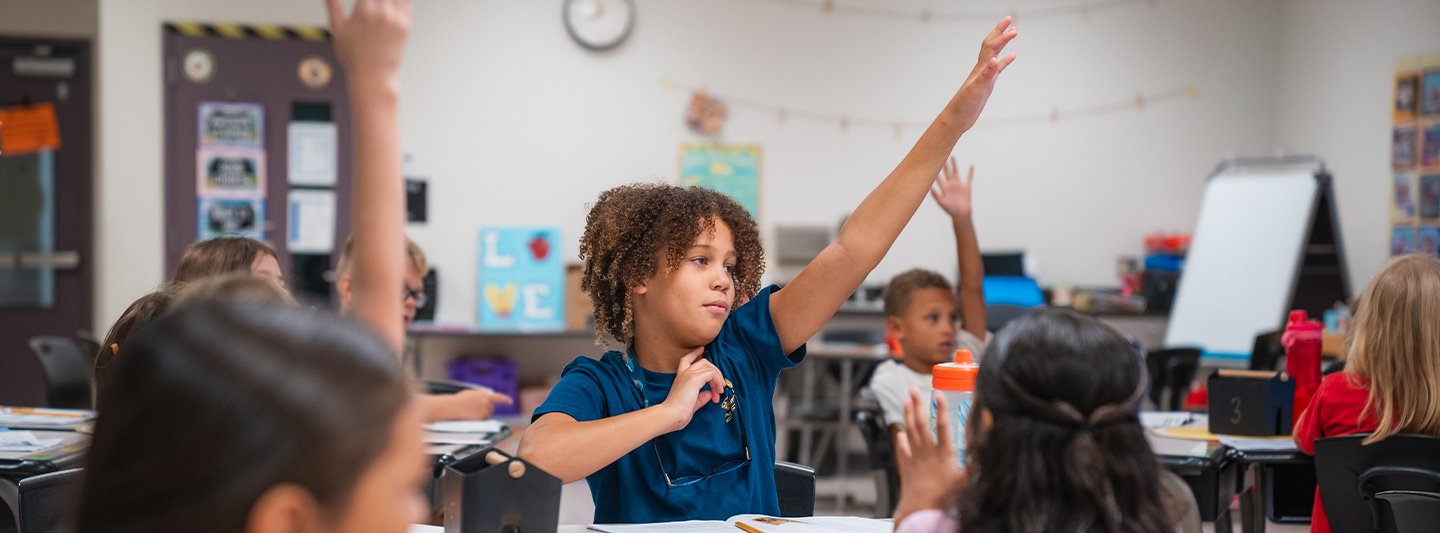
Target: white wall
(1337, 65)
(515, 124)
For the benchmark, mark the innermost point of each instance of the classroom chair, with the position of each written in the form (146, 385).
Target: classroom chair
(67, 375)
(998, 315)
(1414, 511)
(1267, 351)
(881, 451)
(1351, 477)
(795, 484)
(48, 501)
(1171, 369)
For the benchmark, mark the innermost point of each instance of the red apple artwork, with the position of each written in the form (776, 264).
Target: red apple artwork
(540, 247)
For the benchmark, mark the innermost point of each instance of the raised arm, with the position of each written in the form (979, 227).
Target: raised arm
(807, 303)
(370, 43)
(953, 194)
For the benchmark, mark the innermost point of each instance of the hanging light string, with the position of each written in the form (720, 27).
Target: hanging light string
(829, 7)
(1139, 101)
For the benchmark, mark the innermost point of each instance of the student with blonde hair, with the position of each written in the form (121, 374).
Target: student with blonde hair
(1392, 369)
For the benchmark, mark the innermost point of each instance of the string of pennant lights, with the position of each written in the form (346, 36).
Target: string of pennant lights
(831, 7)
(708, 111)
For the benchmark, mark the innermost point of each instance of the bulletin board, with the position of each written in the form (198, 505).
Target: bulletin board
(1415, 157)
(257, 143)
(730, 169)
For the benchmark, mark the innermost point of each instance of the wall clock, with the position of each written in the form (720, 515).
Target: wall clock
(599, 24)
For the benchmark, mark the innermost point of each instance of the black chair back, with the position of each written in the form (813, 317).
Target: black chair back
(1171, 369)
(796, 486)
(881, 451)
(67, 375)
(1266, 353)
(997, 315)
(1414, 511)
(1351, 476)
(48, 502)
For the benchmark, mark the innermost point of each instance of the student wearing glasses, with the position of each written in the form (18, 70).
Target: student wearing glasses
(678, 423)
(464, 405)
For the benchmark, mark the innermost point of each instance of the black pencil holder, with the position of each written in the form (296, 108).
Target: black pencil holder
(493, 492)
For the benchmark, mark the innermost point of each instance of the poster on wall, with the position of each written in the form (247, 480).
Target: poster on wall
(1402, 149)
(1430, 145)
(230, 172)
(1430, 196)
(232, 124)
(1430, 93)
(312, 153)
(1401, 240)
(522, 279)
(310, 223)
(1407, 96)
(231, 217)
(730, 169)
(1427, 240)
(1404, 197)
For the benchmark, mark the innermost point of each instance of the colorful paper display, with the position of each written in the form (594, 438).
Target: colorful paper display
(730, 169)
(522, 279)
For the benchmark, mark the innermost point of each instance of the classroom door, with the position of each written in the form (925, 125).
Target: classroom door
(257, 133)
(45, 208)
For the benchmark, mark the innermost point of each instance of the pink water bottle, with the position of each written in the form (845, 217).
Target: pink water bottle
(1302, 358)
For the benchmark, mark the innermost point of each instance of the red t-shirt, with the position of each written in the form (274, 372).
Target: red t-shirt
(1335, 410)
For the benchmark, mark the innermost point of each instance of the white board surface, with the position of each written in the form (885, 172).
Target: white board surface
(1242, 261)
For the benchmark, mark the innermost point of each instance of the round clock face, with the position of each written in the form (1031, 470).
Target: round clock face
(599, 24)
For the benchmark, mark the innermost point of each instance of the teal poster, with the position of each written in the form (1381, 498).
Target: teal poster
(730, 169)
(522, 279)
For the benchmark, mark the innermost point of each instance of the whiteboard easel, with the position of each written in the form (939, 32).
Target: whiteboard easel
(1267, 241)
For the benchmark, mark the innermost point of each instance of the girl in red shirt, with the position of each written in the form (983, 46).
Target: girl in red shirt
(1392, 369)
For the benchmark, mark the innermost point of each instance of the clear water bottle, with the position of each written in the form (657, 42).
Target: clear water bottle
(956, 381)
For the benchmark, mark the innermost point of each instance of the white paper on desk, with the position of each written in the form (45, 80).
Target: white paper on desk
(466, 426)
(422, 528)
(311, 221)
(457, 438)
(312, 153)
(26, 441)
(1259, 444)
(689, 526)
(811, 524)
(1164, 419)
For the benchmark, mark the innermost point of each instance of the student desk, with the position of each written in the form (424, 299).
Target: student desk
(15, 466)
(1258, 499)
(812, 414)
(1206, 467)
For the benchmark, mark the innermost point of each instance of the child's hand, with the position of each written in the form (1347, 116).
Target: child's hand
(371, 40)
(467, 404)
(952, 192)
(685, 395)
(976, 90)
(929, 478)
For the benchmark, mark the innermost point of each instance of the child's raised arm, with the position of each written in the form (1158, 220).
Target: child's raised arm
(953, 195)
(370, 43)
(807, 303)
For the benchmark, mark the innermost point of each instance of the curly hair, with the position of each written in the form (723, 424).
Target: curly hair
(629, 227)
(902, 287)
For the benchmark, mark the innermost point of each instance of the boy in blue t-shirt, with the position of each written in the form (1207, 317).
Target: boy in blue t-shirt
(679, 425)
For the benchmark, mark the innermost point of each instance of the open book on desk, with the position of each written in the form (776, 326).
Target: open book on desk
(751, 523)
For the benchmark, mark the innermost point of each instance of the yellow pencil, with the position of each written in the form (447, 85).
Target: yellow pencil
(46, 412)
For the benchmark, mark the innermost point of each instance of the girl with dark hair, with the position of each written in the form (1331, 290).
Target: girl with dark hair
(231, 417)
(1055, 440)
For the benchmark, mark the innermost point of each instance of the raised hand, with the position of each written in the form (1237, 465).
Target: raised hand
(976, 91)
(951, 191)
(691, 376)
(929, 478)
(371, 40)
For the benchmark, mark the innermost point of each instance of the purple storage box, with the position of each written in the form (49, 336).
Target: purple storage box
(498, 373)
